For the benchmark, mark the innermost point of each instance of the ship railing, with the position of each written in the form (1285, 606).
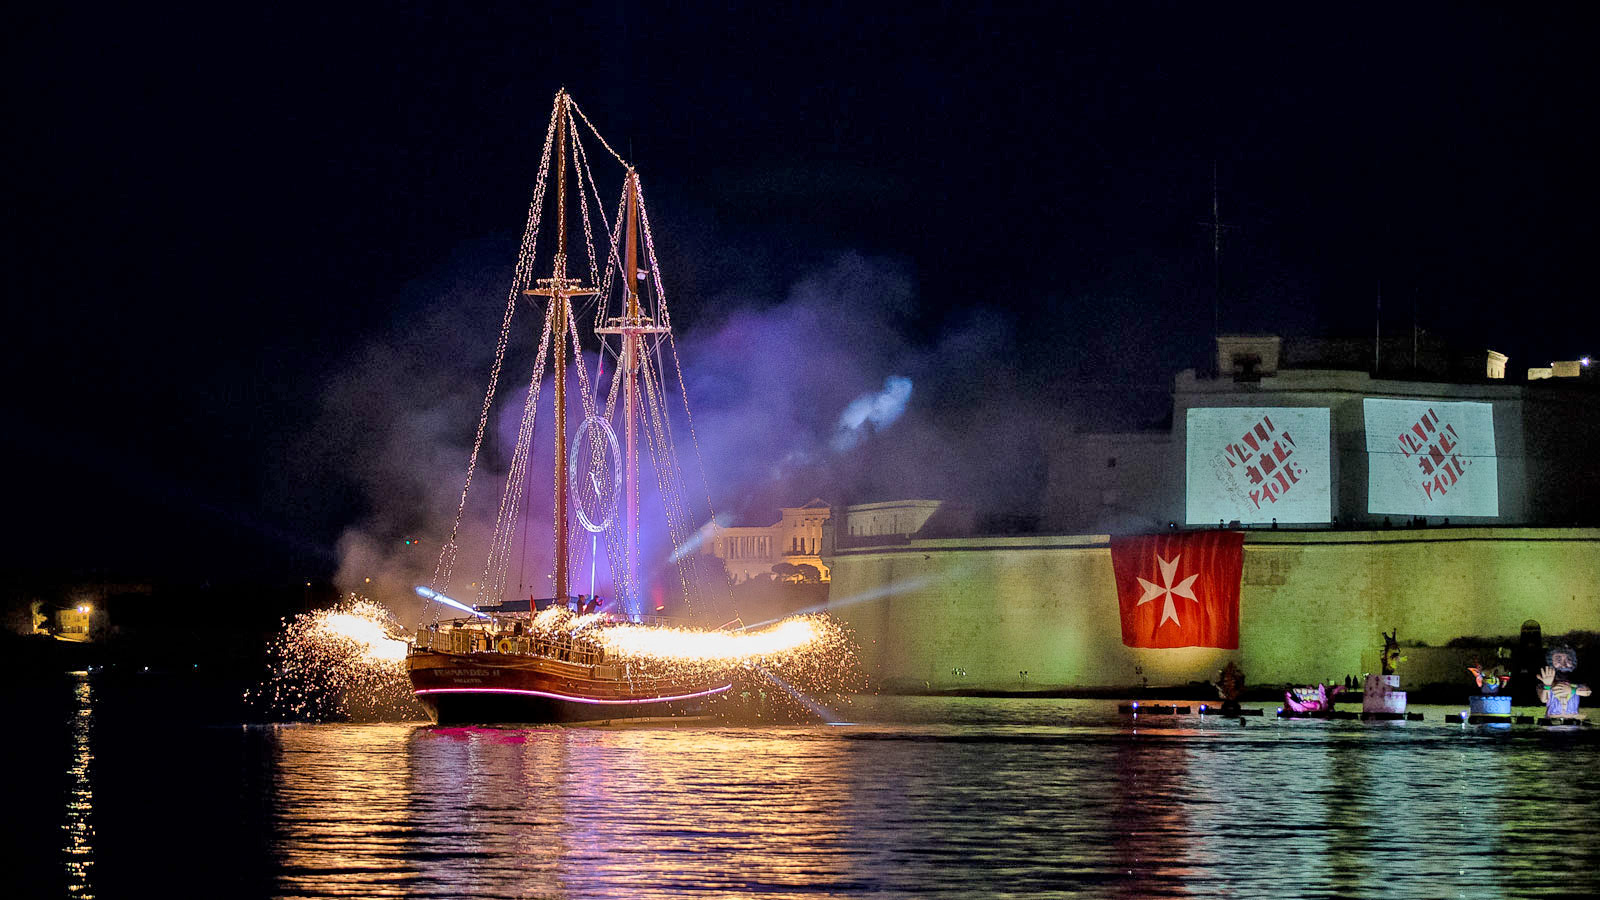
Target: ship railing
(497, 619)
(562, 648)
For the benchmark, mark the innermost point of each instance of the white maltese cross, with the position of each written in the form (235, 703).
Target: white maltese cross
(1167, 589)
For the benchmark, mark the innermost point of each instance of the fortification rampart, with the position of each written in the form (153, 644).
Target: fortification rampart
(1041, 612)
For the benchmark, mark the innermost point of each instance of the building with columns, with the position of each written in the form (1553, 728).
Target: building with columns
(796, 539)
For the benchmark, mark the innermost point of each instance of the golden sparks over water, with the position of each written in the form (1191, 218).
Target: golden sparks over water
(339, 663)
(791, 636)
(799, 668)
(349, 662)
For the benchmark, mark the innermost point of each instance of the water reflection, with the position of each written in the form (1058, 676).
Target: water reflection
(344, 821)
(79, 824)
(950, 798)
(1153, 842)
(927, 809)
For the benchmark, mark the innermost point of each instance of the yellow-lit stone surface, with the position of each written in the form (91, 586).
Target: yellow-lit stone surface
(978, 612)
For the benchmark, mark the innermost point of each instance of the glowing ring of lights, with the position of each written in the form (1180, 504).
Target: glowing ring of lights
(605, 495)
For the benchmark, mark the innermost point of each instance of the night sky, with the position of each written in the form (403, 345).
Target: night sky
(221, 216)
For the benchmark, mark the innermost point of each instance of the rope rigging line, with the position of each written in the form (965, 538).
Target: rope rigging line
(667, 476)
(652, 406)
(663, 490)
(662, 314)
(597, 135)
(497, 567)
(516, 479)
(520, 279)
(587, 400)
(672, 344)
(670, 340)
(614, 258)
(583, 208)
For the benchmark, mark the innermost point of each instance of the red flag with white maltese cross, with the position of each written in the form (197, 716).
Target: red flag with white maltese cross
(1179, 589)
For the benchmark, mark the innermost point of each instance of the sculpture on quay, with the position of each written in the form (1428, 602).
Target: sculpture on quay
(1492, 680)
(1317, 699)
(1230, 685)
(1556, 689)
(1381, 692)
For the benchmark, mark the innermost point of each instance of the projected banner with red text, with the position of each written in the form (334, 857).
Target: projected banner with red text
(1431, 458)
(1256, 464)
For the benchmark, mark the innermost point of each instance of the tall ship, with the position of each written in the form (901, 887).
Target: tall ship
(566, 658)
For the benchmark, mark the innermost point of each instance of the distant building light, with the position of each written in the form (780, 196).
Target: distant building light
(83, 609)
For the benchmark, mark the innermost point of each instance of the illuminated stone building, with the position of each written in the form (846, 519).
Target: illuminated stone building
(76, 621)
(901, 517)
(795, 539)
(81, 611)
(1523, 447)
(1435, 496)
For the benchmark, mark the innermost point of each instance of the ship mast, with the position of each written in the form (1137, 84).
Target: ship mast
(561, 289)
(633, 325)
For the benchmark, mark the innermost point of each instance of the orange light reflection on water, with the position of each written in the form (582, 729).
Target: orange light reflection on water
(553, 811)
(79, 825)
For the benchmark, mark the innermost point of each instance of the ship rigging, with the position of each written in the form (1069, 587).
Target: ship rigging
(583, 658)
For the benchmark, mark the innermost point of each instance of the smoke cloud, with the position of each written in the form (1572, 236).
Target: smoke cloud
(879, 410)
(810, 395)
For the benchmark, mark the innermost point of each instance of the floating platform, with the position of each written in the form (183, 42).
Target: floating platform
(1340, 714)
(1205, 709)
(1347, 715)
(1544, 721)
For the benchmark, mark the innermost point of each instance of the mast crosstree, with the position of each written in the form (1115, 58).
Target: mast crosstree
(632, 326)
(561, 289)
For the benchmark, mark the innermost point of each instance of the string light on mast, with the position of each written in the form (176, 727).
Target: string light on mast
(633, 323)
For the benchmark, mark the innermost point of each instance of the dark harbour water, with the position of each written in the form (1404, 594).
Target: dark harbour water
(922, 798)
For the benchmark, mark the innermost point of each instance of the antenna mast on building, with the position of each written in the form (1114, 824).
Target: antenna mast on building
(1377, 331)
(1414, 292)
(1216, 225)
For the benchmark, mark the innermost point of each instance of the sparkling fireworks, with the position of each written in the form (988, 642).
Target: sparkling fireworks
(339, 663)
(797, 669)
(349, 662)
(798, 635)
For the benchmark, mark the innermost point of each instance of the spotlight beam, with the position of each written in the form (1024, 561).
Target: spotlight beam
(428, 593)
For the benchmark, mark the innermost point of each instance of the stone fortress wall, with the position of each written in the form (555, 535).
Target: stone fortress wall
(977, 613)
(1040, 612)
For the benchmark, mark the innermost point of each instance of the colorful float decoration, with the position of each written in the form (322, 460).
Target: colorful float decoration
(1556, 690)
(1311, 700)
(1494, 687)
(1230, 686)
(1381, 692)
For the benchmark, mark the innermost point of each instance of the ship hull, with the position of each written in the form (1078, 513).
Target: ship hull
(501, 688)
